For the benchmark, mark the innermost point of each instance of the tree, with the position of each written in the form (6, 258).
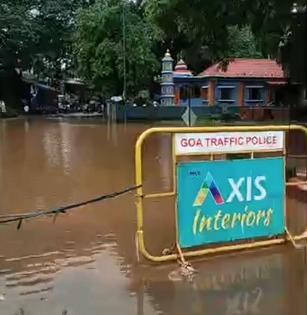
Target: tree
(293, 48)
(191, 29)
(17, 35)
(101, 55)
(242, 43)
(199, 29)
(57, 19)
(18, 31)
(36, 35)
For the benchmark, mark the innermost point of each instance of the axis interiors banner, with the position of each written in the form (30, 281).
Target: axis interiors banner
(224, 201)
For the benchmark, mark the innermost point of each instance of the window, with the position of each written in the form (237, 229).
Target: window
(195, 92)
(167, 66)
(170, 90)
(167, 90)
(254, 93)
(226, 93)
(184, 93)
(187, 91)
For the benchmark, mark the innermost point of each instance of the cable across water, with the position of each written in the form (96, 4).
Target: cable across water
(20, 217)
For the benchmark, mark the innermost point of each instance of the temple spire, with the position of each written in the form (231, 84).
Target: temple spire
(167, 81)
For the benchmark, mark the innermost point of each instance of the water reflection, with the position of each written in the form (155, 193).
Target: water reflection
(52, 147)
(248, 284)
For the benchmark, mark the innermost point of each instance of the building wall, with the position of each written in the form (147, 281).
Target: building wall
(194, 102)
(185, 92)
(231, 92)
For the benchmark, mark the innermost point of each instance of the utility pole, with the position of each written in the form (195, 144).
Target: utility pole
(189, 104)
(124, 53)
(124, 60)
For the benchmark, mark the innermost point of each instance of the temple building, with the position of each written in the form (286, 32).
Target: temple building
(245, 82)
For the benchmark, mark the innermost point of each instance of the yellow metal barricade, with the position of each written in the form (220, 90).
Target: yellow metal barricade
(141, 247)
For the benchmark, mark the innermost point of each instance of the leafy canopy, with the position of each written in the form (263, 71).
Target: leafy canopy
(101, 46)
(205, 31)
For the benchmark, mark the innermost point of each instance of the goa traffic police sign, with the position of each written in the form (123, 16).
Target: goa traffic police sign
(226, 142)
(224, 201)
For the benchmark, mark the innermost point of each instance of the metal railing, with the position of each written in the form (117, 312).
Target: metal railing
(141, 195)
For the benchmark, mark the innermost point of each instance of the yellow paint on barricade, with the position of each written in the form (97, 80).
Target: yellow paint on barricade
(190, 252)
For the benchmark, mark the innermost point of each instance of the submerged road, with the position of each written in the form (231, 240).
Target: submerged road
(85, 263)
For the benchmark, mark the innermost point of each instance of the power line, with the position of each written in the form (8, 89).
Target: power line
(20, 217)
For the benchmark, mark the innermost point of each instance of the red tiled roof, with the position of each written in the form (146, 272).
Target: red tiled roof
(248, 68)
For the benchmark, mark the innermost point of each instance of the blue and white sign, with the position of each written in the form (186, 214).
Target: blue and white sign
(224, 201)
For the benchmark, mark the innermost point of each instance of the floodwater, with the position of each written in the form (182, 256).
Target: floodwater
(85, 262)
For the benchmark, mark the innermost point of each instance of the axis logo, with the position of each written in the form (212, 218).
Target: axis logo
(208, 186)
(254, 190)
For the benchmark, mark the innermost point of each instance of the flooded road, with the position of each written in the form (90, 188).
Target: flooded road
(85, 262)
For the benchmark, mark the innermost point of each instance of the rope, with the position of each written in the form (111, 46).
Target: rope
(10, 218)
(296, 246)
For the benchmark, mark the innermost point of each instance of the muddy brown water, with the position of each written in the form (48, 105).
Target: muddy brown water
(85, 262)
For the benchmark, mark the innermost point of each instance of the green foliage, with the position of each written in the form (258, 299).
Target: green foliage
(18, 31)
(100, 49)
(196, 30)
(37, 34)
(199, 29)
(242, 43)
(44, 35)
